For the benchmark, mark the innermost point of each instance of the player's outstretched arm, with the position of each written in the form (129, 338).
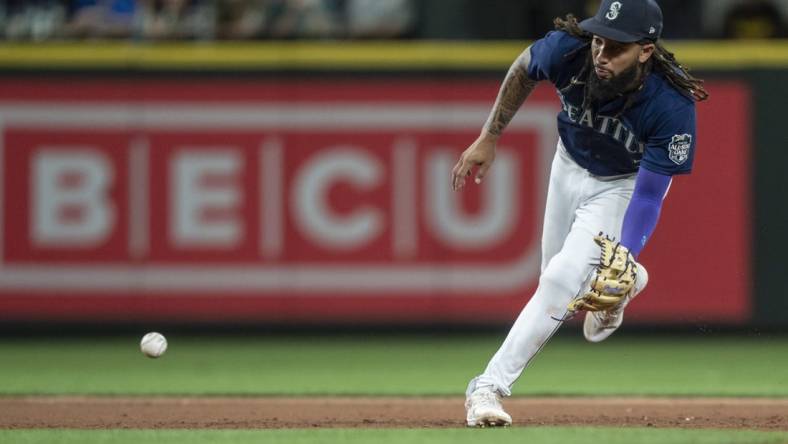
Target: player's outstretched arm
(514, 90)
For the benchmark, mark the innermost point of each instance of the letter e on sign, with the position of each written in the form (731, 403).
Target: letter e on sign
(194, 196)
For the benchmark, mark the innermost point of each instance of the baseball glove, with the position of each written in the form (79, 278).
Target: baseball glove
(613, 279)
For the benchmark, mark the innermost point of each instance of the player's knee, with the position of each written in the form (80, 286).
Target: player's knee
(567, 271)
(561, 281)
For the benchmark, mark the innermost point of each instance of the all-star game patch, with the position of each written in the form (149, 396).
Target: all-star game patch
(679, 148)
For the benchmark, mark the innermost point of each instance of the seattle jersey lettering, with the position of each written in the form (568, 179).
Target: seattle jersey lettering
(603, 124)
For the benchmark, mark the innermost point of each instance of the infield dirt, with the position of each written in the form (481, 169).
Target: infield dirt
(377, 412)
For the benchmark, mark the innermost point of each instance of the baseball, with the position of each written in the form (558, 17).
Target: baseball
(153, 345)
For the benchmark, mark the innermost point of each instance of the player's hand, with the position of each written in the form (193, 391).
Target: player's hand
(480, 154)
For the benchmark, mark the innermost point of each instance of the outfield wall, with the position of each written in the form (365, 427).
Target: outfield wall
(312, 194)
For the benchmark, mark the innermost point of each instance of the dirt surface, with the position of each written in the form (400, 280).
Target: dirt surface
(369, 412)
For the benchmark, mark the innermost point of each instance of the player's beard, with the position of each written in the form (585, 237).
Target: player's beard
(605, 90)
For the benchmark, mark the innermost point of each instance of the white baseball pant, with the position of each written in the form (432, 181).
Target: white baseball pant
(579, 206)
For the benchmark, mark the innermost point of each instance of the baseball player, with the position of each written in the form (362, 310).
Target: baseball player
(627, 125)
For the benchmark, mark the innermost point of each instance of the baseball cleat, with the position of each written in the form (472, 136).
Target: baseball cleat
(598, 325)
(484, 409)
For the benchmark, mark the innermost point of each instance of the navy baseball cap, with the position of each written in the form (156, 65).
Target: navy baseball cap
(626, 21)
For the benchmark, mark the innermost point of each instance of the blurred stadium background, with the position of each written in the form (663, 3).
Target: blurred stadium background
(282, 166)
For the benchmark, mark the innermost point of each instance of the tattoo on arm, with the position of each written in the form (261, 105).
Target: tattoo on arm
(515, 89)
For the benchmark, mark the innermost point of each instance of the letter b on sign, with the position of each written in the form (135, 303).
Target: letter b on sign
(70, 203)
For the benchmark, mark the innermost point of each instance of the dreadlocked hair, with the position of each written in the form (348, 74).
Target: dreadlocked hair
(662, 61)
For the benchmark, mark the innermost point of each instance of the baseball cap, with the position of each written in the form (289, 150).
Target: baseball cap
(626, 21)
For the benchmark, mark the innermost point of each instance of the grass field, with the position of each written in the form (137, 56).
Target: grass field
(698, 365)
(541, 435)
(409, 365)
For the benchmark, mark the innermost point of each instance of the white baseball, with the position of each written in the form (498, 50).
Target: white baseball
(153, 344)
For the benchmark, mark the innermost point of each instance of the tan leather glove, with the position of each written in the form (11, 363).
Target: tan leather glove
(614, 278)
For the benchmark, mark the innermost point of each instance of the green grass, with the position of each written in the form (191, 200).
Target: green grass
(542, 435)
(391, 365)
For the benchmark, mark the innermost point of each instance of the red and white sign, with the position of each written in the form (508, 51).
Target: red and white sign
(330, 205)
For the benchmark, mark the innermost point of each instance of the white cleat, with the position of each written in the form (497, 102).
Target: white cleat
(599, 325)
(484, 409)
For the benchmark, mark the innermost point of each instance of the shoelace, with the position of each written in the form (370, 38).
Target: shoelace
(488, 399)
(608, 318)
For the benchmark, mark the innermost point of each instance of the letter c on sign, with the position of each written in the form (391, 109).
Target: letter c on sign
(312, 212)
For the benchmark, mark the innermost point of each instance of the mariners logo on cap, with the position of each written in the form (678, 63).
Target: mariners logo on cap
(612, 14)
(679, 148)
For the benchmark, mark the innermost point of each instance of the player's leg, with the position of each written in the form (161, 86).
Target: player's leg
(542, 316)
(598, 326)
(562, 200)
(602, 209)
(483, 405)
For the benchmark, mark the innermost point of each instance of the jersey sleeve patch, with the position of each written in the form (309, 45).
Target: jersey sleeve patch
(671, 139)
(679, 148)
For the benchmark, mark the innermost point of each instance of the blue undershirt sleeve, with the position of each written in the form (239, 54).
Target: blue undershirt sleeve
(643, 211)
